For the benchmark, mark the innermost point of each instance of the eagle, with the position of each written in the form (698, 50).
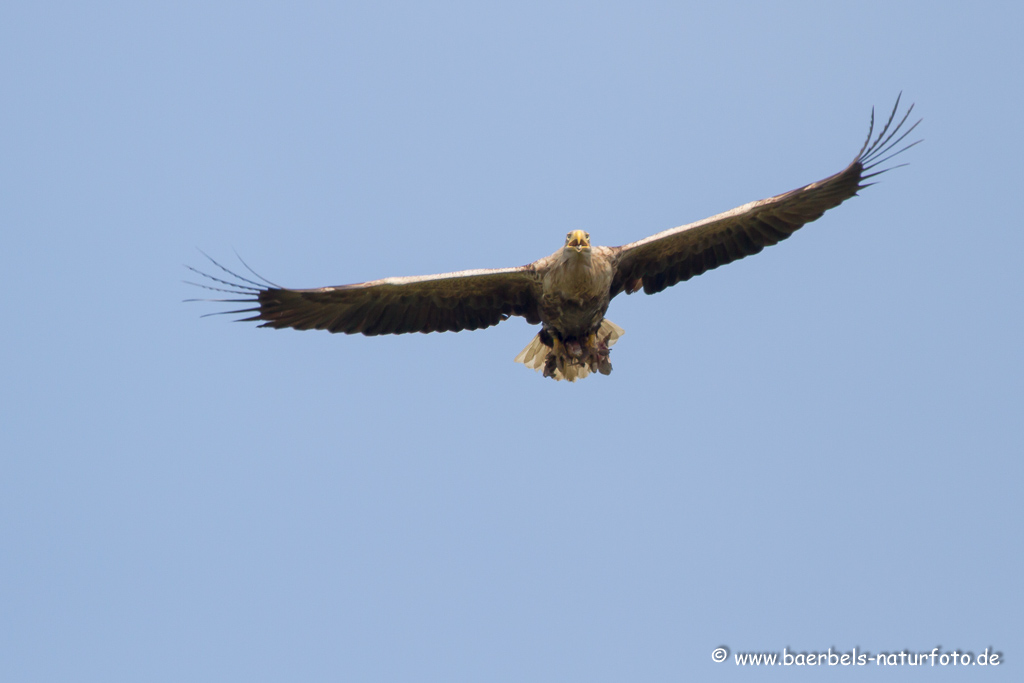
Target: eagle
(568, 292)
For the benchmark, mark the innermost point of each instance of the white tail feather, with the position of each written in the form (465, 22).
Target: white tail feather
(536, 353)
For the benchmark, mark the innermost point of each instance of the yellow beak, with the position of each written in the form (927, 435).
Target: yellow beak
(578, 239)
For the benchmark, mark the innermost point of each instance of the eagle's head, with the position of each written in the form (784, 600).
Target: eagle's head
(578, 241)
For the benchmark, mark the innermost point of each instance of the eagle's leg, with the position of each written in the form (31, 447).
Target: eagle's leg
(546, 338)
(597, 355)
(564, 354)
(555, 360)
(591, 352)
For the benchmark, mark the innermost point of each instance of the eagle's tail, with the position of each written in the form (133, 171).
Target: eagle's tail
(539, 356)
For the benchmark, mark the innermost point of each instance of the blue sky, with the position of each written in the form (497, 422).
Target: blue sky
(815, 447)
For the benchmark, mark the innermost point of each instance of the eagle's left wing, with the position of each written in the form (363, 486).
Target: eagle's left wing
(681, 253)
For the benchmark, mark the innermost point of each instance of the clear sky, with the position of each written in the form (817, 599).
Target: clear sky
(817, 447)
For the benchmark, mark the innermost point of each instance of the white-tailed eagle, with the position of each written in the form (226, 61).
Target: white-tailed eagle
(568, 292)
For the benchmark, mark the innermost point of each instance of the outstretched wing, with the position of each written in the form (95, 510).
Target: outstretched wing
(449, 302)
(681, 253)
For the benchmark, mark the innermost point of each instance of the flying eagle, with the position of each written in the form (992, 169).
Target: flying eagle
(568, 292)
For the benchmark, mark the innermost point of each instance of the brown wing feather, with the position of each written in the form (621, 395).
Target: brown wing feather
(681, 253)
(449, 302)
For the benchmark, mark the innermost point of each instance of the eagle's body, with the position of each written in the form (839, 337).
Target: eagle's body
(568, 292)
(575, 290)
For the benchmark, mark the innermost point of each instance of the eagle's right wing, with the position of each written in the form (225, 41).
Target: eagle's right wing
(449, 302)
